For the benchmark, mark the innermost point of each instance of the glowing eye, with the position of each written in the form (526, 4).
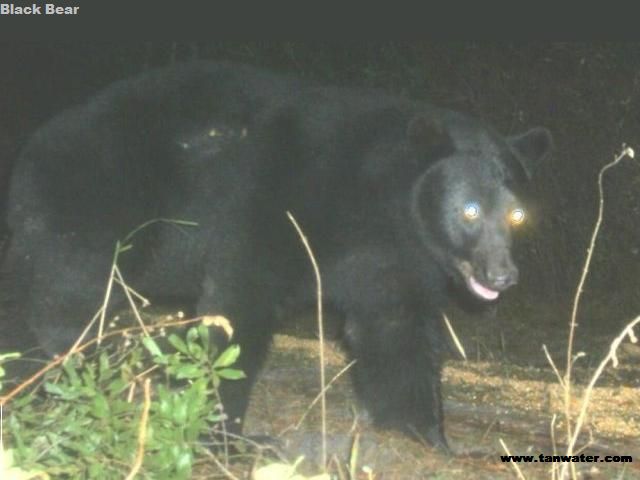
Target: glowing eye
(471, 211)
(516, 216)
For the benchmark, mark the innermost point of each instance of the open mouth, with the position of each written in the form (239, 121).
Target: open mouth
(479, 290)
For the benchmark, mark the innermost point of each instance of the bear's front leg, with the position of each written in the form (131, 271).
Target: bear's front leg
(393, 330)
(397, 373)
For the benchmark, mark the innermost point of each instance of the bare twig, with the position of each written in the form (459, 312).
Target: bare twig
(455, 338)
(514, 464)
(103, 309)
(571, 433)
(553, 366)
(224, 469)
(585, 271)
(323, 399)
(554, 445)
(586, 397)
(132, 304)
(322, 392)
(144, 300)
(142, 431)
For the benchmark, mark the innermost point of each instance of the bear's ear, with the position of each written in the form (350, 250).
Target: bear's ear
(531, 147)
(427, 134)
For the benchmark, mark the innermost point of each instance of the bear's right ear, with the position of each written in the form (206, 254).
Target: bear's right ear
(427, 134)
(531, 147)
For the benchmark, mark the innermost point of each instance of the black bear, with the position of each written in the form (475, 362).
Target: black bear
(398, 198)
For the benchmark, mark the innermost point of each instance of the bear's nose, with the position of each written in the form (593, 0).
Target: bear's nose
(502, 278)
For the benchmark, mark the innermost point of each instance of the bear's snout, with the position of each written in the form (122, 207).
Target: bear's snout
(502, 278)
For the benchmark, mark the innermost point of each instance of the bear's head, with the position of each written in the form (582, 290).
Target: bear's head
(465, 204)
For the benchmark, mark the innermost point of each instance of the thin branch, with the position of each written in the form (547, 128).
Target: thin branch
(132, 304)
(142, 431)
(319, 396)
(553, 366)
(585, 271)
(586, 397)
(323, 399)
(455, 338)
(514, 464)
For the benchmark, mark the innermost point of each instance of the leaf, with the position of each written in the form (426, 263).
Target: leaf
(196, 351)
(228, 357)
(9, 356)
(100, 406)
(164, 402)
(192, 335)
(178, 343)
(103, 366)
(70, 369)
(204, 336)
(183, 464)
(9, 472)
(53, 389)
(179, 413)
(231, 374)
(151, 345)
(188, 371)
(88, 376)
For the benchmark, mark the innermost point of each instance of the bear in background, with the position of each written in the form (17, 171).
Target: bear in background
(399, 200)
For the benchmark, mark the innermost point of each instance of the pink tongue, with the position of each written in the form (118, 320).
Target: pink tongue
(484, 292)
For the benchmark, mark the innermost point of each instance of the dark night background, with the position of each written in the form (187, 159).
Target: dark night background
(587, 94)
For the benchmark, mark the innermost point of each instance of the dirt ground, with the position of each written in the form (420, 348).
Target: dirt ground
(485, 401)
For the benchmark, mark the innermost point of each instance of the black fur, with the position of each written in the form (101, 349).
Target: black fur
(378, 183)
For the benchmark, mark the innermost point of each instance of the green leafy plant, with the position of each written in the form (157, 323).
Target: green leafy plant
(84, 421)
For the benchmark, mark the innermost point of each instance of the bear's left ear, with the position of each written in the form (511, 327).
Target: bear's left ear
(531, 147)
